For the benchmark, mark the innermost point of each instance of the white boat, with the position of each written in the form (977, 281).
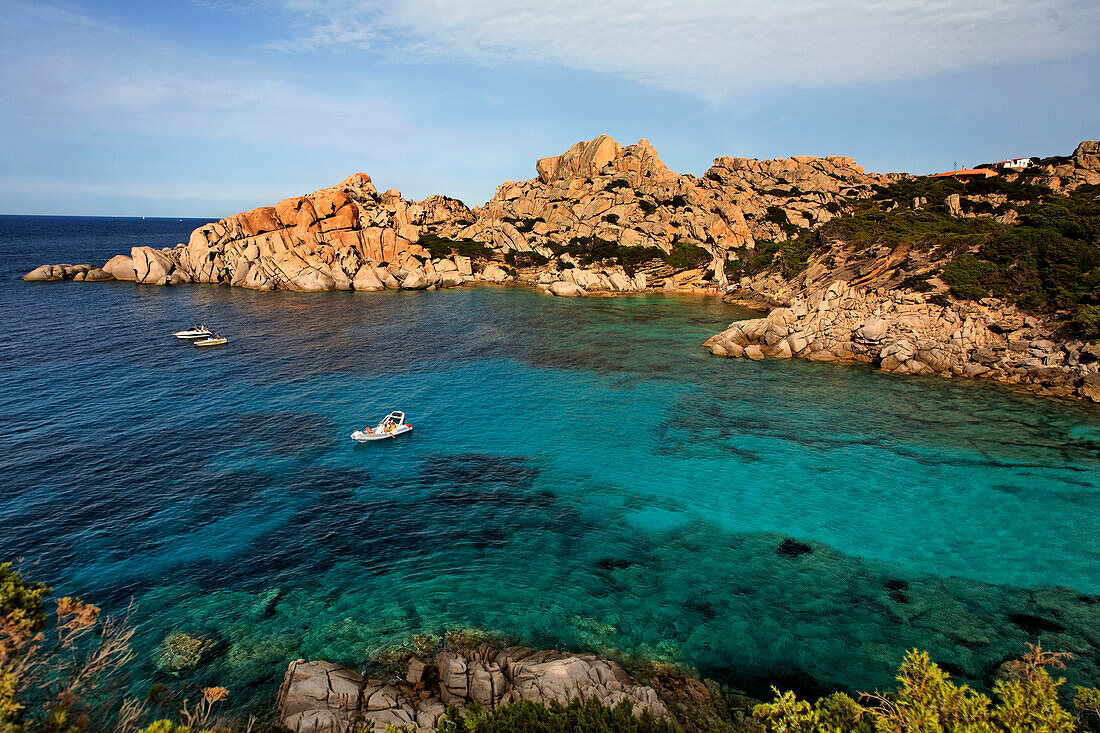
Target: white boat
(195, 332)
(391, 426)
(213, 340)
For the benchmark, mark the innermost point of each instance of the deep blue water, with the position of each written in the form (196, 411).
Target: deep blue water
(581, 474)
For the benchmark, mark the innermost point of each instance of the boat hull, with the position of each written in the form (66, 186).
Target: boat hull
(211, 342)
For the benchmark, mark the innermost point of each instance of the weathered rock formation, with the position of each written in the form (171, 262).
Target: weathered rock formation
(350, 236)
(596, 189)
(904, 333)
(344, 237)
(803, 191)
(1082, 168)
(621, 195)
(321, 697)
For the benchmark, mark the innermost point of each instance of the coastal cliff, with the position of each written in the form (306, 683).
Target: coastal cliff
(995, 278)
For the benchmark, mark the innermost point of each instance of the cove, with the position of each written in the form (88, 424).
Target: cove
(582, 474)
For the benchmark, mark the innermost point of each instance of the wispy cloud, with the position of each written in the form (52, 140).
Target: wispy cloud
(57, 64)
(714, 48)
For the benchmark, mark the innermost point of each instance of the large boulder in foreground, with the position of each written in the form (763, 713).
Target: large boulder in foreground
(121, 267)
(321, 697)
(152, 265)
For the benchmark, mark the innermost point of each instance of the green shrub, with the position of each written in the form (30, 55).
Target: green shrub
(735, 269)
(617, 183)
(524, 224)
(926, 700)
(22, 602)
(971, 278)
(1049, 262)
(789, 257)
(524, 716)
(526, 259)
(834, 714)
(687, 255)
(647, 207)
(1086, 323)
(776, 215)
(439, 246)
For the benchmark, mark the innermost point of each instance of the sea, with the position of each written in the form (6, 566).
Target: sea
(581, 475)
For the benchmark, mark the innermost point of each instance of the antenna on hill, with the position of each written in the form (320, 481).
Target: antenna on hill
(955, 165)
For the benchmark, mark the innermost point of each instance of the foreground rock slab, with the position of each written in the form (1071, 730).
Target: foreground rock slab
(322, 697)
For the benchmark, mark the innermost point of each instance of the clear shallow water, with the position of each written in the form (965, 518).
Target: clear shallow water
(582, 474)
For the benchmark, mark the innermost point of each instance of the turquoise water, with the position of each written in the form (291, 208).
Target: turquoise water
(581, 475)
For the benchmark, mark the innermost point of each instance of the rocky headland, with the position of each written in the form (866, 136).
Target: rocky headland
(854, 266)
(904, 333)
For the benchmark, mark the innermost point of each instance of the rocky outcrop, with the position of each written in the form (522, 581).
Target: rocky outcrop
(339, 238)
(1082, 168)
(905, 333)
(321, 697)
(321, 241)
(67, 272)
(776, 196)
(996, 206)
(599, 189)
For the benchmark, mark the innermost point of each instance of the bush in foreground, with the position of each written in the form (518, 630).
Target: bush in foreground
(1025, 700)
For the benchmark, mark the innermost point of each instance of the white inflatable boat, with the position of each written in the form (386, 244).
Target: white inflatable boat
(214, 339)
(391, 426)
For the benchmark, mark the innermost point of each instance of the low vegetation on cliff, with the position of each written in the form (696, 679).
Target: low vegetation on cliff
(1007, 238)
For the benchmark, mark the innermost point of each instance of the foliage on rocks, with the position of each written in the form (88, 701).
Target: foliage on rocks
(1047, 262)
(788, 257)
(523, 716)
(443, 247)
(1025, 700)
(22, 603)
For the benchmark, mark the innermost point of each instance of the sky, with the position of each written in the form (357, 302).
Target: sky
(209, 107)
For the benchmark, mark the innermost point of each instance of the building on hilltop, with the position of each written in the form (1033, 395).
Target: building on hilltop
(1014, 163)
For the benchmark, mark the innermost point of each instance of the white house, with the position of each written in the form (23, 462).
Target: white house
(1017, 163)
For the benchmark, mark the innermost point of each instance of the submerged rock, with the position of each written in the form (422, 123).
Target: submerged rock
(181, 651)
(793, 548)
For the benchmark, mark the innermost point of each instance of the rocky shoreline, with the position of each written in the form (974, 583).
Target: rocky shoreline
(904, 332)
(605, 219)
